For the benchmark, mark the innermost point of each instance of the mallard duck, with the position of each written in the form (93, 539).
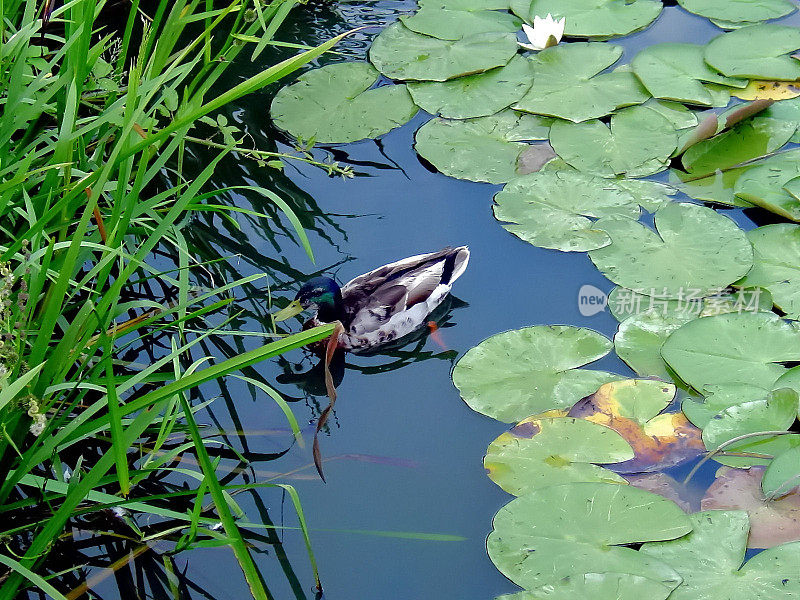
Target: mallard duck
(385, 304)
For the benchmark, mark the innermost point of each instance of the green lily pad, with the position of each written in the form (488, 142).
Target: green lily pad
(776, 412)
(477, 95)
(678, 72)
(787, 110)
(718, 398)
(745, 141)
(566, 83)
(593, 18)
(776, 265)
(717, 188)
(739, 11)
(482, 149)
(763, 185)
(638, 143)
(573, 529)
(639, 339)
(455, 20)
(675, 112)
(695, 250)
(334, 104)
(400, 53)
(523, 372)
(747, 347)
(539, 452)
(620, 586)
(756, 52)
(783, 474)
(555, 209)
(710, 561)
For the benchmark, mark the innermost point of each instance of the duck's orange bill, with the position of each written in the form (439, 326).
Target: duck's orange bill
(294, 308)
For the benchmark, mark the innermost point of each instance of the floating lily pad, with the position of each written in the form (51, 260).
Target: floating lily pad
(788, 110)
(772, 522)
(334, 104)
(776, 412)
(747, 348)
(739, 11)
(482, 149)
(718, 398)
(694, 250)
(717, 188)
(454, 20)
(523, 372)
(756, 52)
(710, 561)
(676, 113)
(555, 209)
(639, 339)
(745, 141)
(539, 452)
(782, 475)
(400, 53)
(776, 265)
(574, 529)
(638, 143)
(633, 408)
(477, 95)
(593, 18)
(620, 586)
(771, 90)
(678, 72)
(566, 83)
(763, 185)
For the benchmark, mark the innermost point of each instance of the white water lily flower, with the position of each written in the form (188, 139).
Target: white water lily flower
(545, 32)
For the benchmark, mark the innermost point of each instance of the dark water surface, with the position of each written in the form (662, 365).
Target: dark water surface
(405, 453)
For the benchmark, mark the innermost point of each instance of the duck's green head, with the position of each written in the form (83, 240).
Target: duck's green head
(321, 294)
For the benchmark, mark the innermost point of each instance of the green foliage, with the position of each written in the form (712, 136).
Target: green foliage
(94, 194)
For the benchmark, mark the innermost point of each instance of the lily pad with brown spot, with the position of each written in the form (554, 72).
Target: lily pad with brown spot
(633, 409)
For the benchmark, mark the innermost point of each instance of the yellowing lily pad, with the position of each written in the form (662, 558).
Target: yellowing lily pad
(334, 104)
(567, 531)
(567, 83)
(539, 452)
(772, 522)
(633, 409)
(710, 559)
(482, 149)
(693, 250)
(400, 53)
(593, 18)
(523, 372)
(756, 52)
(770, 90)
(477, 95)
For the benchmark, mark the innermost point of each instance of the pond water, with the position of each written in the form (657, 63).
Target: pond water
(404, 453)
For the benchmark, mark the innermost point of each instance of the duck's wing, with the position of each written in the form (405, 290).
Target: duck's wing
(410, 288)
